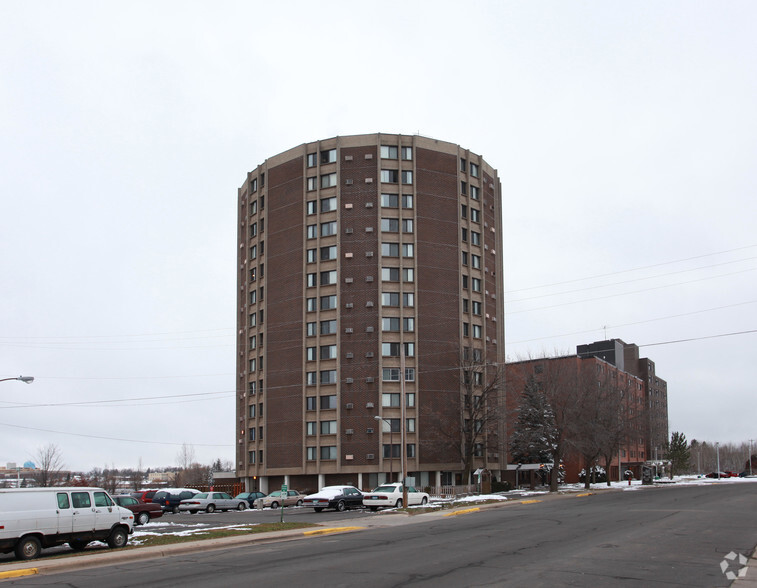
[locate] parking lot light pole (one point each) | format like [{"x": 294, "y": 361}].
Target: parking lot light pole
[
  {"x": 25, "y": 379},
  {"x": 750, "y": 457}
]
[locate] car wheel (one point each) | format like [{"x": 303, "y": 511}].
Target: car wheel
[
  {"x": 318, "y": 508},
  {"x": 242, "y": 506},
  {"x": 175, "y": 510},
  {"x": 78, "y": 545},
  {"x": 28, "y": 548},
  {"x": 210, "y": 508},
  {"x": 398, "y": 503},
  {"x": 373, "y": 508},
  {"x": 143, "y": 518},
  {"x": 118, "y": 538},
  {"x": 341, "y": 506},
  {"x": 424, "y": 501},
  {"x": 299, "y": 503},
  {"x": 274, "y": 505}
]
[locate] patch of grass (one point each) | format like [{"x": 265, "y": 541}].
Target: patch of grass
[{"x": 153, "y": 540}]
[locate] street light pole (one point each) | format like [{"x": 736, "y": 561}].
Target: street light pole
[
  {"x": 25, "y": 379},
  {"x": 717, "y": 449},
  {"x": 750, "y": 457}
]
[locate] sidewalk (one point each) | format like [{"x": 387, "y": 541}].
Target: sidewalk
[{"x": 750, "y": 579}]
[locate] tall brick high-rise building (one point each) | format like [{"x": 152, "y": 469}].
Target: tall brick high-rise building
[{"x": 369, "y": 265}]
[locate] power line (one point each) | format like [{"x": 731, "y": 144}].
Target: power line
[{"x": 699, "y": 338}]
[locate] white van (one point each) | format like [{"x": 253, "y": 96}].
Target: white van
[{"x": 33, "y": 518}]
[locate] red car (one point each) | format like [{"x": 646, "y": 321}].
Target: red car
[
  {"x": 144, "y": 495},
  {"x": 143, "y": 511}
]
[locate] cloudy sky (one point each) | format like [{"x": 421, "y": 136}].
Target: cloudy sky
[{"x": 624, "y": 134}]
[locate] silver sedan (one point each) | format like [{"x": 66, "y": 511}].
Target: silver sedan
[{"x": 210, "y": 502}]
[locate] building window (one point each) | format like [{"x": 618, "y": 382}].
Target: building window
[
  {"x": 328, "y": 351},
  {"x": 476, "y": 331},
  {"x": 312, "y": 329},
  {"x": 311, "y": 378},
  {"x": 465, "y": 282},
  {"x": 463, "y": 188},
  {"x": 253, "y": 297},
  {"x": 252, "y": 411},
  {"x": 328, "y": 427},
  {"x": 328, "y": 452},
  {"x": 311, "y": 353},
  {"x": 311, "y": 280},
  {"x": 463, "y": 165},
  {"x": 328, "y": 402},
  {"x": 312, "y": 304},
  {"x": 328, "y": 156},
  {"x": 474, "y": 192},
  {"x": 328, "y": 302},
  {"x": 466, "y": 304},
  {"x": 390, "y": 225},
  {"x": 311, "y": 255},
  {"x": 254, "y": 185},
  {"x": 410, "y": 425},
  {"x": 390, "y": 200},
  {"x": 312, "y": 452},
  {"x": 408, "y": 324},
  {"x": 409, "y": 349},
  {"x": 391, "y": 400},
  {"x": 390, "y": 176},
  {"x": 407, "y": 153},
  {"x": 408, "y": 274},
  {"x": 253, "y": 207},
  {"x": 463, "y": 211},
  {"x": 390, "y": 349},
  {"x": 390, "y": 299},
  {"x": 407, "y": 177},
  {"x": 476, "y": 284},
  {"x": 475, "y": 238},
  {"x": 312, "y": 183},
  {"x": 251, "y": 457},
  {"x": 254, "y": 252},
  {"x": 328, "y": 377},
  {"x": 410, "y": 376},
  {"x": 407, "y": 225},
  {"x": 464, "y": 257},
  {"x": 328, "y": 229},
  {"x": 260, "y": 456},
  {"x": 474, "y": 170},
  {"x": 310, "y": 428},
  {"x": 407, "y": 201},
  {"x": 311, "y": 403},
  {"x": 390, "y": 323},
  {"x": 312, "y": 160},
  {"x": 328, "y": 277},
  {"x": 410, "y": 399},
  {"x": 475, "y": 215},
  {"x": 254, "y": 319},
  {"x": 466, "y": 329},
  {"x": 328, "y": 204},
  {"x": 312, "y": 231},
  {"x": 251, "y": 434},
  {"x": 411, "y": 449},
  {"x": 408, "y": 299},
  {"x": 389, "y": 152},
  {"x": 328, "y": 327},
  {"x": 390, "y": 425},
  {"x": 407, "y": 250},
  {"x": 391, "y": 451},
  {"x": 390, "y": 374},
  {"x": 464, "y": 235},
  {"x": 253, "y": 230},
  {"x": 476, "y": 308},
  {"x": 390, "y": 249},
  {"x": 328, "y": 253},
  {"x": 328, "y": 180},
  {"x": 312, "y": 207},
  {"x": 390, "y": 274}
]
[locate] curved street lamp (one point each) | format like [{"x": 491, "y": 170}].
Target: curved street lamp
[{"x": 25, "y": 379}]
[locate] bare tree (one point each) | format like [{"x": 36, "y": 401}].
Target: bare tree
[
  {"x": 49, "y": 465},
  {"x": 186, "y": 456}
]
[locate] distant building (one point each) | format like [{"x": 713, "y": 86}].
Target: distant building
[{"x": 626, "y": 357}]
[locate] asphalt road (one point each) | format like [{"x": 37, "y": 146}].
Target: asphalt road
[{"x": 675, "y": 536}]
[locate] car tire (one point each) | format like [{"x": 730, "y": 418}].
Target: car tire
[
  {"x": 142, "y": 518},
  {"x": 78, "y": 545},
  {"x": 318, "y": 508},
  {"x": 299, "y": 503},
  {"x": 424, "y": 501},
  {"x": 274, "y": 505},
  {"x": 28, "y": 548},
  {"x": 118, "y": 538},
  {"x": 175, "y": 510},
  {"x": 341, "y": 506},
  {"x": 398, "y": 504},
  {"x": 373, "y": 508},
  {"x": 210, "y": 508},
  {"x": 242, "y": 506}
]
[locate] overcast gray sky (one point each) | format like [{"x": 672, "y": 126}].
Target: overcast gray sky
[{"x": 625, "y": 136}]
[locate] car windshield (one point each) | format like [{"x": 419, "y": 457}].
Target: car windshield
[
  {"x": 385, "y": 489},
  {"x": 201, "y": 495}
]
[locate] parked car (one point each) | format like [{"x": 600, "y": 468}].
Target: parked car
[
  {"x": 390, "y": 495},
  {"x": 715, "y": 475},
  {"x": 169, "y": 498},
  {"x": 211, "y": 502},
  {"x": 249, "y": 497},
  {"x": 34, "y": 518},
  {"x": 337, "y": 497},
  {"x": 144, "y": 495},
  {"x": 143, "y": 511},
  {"x": 275, "y": 499}
]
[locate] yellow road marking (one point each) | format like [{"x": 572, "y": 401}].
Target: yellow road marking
[
  {"x": 459, "y": 512},
  {"x": 585, "y": 494},
  {"x": 529, "y": 501},
  {"x": 19, "y": 573},
  {"x": 331, "y": 530}
]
